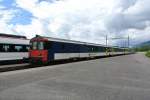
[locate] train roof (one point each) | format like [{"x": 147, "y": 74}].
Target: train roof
[
  {"x": 67, "y": 41},
  {"x": 13, "y": 39},
  {"x": 12, "y": 36},
  {"x": 71, "y": 41}
]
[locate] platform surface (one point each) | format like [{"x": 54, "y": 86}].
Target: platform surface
[{"x": 115, "y": 78}]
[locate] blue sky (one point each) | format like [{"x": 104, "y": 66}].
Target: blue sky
[
  {"x": 21, "y": 16},
  {"x": 7, "y": 3},
  {"x": 79, "y": 20}
]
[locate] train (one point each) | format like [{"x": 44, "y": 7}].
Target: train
[
  {"x": 48, "y": 49},
  {"x": 13, "y": 48}
]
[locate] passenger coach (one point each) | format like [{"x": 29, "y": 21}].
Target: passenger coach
[
  {"x": 46, "y": 49},
  {"x": 13, "y": 47}
]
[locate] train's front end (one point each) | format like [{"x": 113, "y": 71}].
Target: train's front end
[{"x": 38, "y": 52}]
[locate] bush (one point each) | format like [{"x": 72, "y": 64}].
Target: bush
[{"x": 148, "y": 54}]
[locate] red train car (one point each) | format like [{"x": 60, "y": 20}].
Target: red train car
[{"x": 37, "y": 52}]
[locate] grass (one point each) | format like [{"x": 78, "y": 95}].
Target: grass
[{"x": 148, "y": 54}]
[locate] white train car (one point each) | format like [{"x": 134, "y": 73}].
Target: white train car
[{"x": 13, "y": 47}]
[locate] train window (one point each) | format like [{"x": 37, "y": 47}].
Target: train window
[
  {"x": 34, "y": 45},
  {"x": 18, "y": 48},
  {"x": 63, "y": 46},
  {"x": 40, "y": 45},
  {"x": 21, "y": 48},
  {"x": 37, "y": 45},
  {"x": 96, "y": 49},
  {"x": 12, "y": 48},
  {"x": 1, "y": 48},
  {"x": 92, "y": 48},
  {"x": 27, "y": 47},
  {"x": 30, "y": 45},
  {"x": 24, "y": 48},
  {"x": 6, "y": 48}
]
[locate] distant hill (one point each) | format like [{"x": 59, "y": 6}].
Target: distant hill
[{"x": 145, "y": 46}]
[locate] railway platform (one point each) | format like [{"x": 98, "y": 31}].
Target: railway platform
[{"x": 115, "y": 78}]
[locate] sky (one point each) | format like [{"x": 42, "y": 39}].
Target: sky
[{"x": 82, "y": 20}]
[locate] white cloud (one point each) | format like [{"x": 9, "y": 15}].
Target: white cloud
[
  {"x": 71, "y": 18},
  {"x": 30, "y": 30},
  {"x": 87, "y": 20},
  {"x": 28, "y": 5},
  {"x": 5, "y": 17}
]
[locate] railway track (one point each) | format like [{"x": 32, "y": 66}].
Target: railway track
[{"x": 4, "y": 68}]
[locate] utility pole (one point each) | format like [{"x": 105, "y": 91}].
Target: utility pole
[
  {"x": 107, "y": 45},
  {"x": 128, "y": 41},
  {"x": 106, "y": 40}
]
